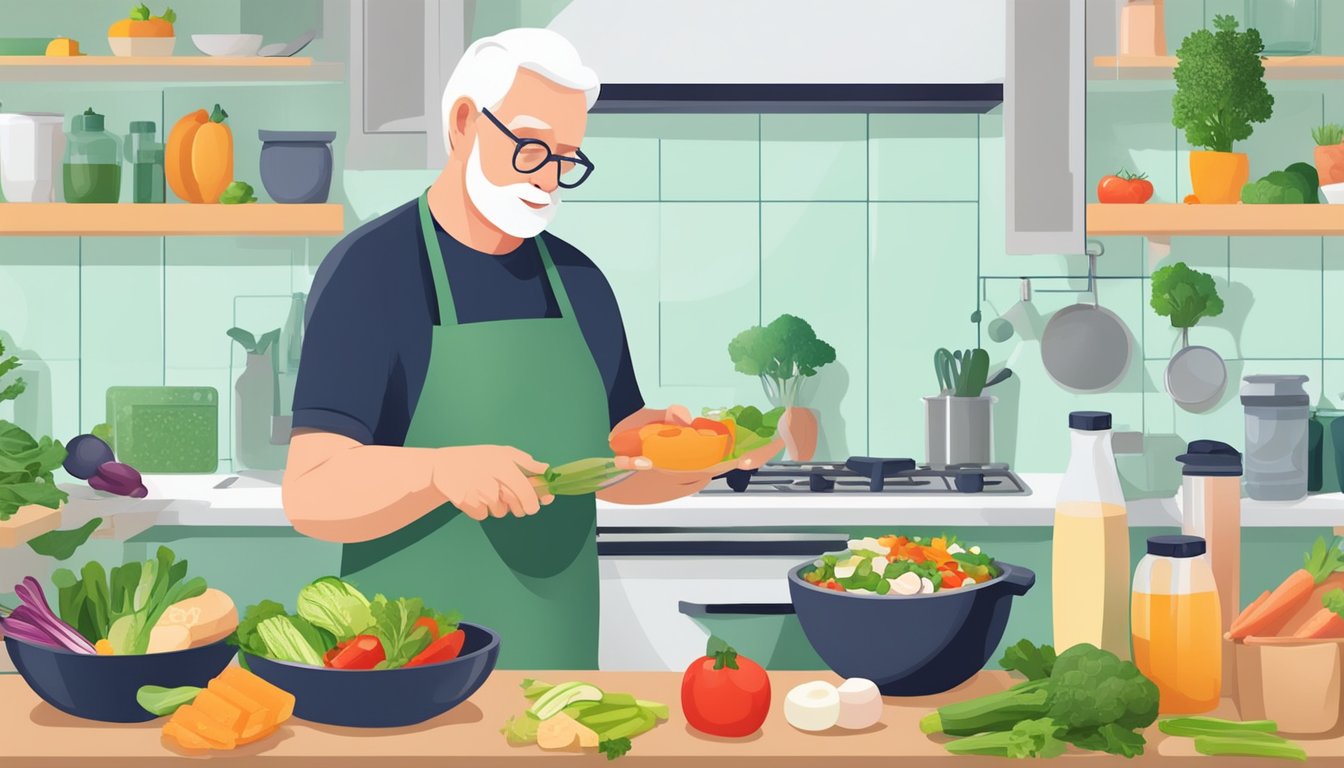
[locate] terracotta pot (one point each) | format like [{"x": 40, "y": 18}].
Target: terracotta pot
[
  {"x": 1330, "y": 164},
  {"x": 798, "y": 428},
  {"x": 1295, "y": 683},
  {"x": 1217, "y": 177}
]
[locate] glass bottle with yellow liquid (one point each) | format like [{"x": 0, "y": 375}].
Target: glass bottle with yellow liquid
[
  {"x": 1177, "y": 624},
  {"x": 1090, "y": 573}
]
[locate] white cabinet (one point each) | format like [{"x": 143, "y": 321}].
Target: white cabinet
[
  {"x": 1044, "y": 116},
  {"x": 401, "y": 54}
]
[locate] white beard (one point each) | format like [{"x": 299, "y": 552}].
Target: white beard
[{"x": 503, "y": 206}]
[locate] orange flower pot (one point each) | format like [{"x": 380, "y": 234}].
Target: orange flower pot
[
  {"x": 1217, "y": 177},
  {"x": 1330, "y": 164},
  {"x": 798, "y": 427}
]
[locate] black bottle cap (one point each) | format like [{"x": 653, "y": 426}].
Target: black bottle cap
[
  {"x": 1210, "y": 458},
  {"x": 1176, "y": 546},
  {"x": 1090, "y": 421}
]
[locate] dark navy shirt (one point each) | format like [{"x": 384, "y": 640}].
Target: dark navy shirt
[{"x": 367, "y": 332}]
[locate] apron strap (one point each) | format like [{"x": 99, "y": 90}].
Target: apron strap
[
  {"x": 553, "y": 275},
  {"x": 447, "y": 310}
]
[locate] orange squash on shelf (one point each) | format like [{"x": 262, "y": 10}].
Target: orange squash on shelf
[{"x": 198, "y": 161}]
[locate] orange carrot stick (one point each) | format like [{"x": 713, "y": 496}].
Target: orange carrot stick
[
  {"x": 1293, "y": 593},
  {"x": 1248, "y": 612},
  {"x": 1322, "y": 624}
]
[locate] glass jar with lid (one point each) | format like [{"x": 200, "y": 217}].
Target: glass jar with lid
[
  {"x": 1176, "y": 624},
  {"x": 92, "y": 169},
  {"x": 145, "y": 154},
  {"x": 1287, "y": 27}
]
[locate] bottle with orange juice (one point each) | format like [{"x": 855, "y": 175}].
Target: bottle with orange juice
[
  {"x": 1177, "y": 624},
  {"x": 1090, "y": 573}
]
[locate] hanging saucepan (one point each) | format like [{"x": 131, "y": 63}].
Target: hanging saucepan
[
  {"x": 1196, "y": 377},
  {"x": 1085, "y": 347}
]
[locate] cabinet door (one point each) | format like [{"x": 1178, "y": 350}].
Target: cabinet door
[{"x": 1044, "y": 110}]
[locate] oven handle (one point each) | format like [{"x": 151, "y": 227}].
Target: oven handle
[
  {"x": 734, "y": 609},
  {"x": 654, "y": 547}
]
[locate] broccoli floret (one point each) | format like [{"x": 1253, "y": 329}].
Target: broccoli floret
[
  {"x": 1093, "y": 688},
  {"x": 1108, "y": 738},
  {"x": 1025, "y": 657}
]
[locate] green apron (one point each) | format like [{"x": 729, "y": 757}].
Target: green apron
[{"x": 531, "y": 384}]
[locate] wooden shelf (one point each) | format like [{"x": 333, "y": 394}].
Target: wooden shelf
[
  {"x": 1160, "y": 67},
  {"x": 37, "y": 69},
  {"x": 1177, "y": 219},
  {"x": 170, "y": 219}
]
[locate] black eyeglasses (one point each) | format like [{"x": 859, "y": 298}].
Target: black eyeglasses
[{"x": 531, "y": 155}]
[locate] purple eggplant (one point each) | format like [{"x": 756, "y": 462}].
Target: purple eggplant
[
  {"x": 85, "y": 454},
  {"x": 139, "y": 493},
  {"x": 118, "y": 478}
]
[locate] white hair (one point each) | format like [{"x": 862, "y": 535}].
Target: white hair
[{"x": 488, "y": 67}]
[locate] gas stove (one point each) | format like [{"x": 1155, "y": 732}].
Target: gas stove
[{"x": 867, "y": 474}]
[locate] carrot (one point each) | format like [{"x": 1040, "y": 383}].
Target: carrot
[
  {"x": 1275, "y": 611},
  {"x": 1248, "y": 612},
  {"x": 1323, "y": 623},
  {"x": 212, "y": 157},
  {"x": 177, "y": 156}
]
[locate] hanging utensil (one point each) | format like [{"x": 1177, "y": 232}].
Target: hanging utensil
[
  {"x": 1196, "y": 377},
  {"x": 1086, "y": 347}
]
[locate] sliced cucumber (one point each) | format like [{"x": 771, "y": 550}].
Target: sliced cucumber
[
  {"x": 659, "y": 711},
  {"x": 609, "y": 718},
  {"x": 620, "y": 699},
  {"x": 561, "y": 696}
]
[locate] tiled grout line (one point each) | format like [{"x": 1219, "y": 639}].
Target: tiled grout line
[
  {"x": 760, "y": 222},
  {"x": 867, "y": 284}
]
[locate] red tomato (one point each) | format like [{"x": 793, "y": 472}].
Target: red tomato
[
  {"x": 1125, "y": 187},
  {"x": 429, "y": 624},
  {"x": 444, "y": 649},
  {"x": 724, "y": 693}
]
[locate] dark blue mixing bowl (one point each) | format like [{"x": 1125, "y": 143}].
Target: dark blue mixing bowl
[
  {"x": 384, "y": 698},
  {"x": 910, "y": 645},
  {"x": 103, "y": 687}
]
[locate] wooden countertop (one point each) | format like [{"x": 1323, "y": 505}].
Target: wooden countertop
[{"x": 32, "y": 733}]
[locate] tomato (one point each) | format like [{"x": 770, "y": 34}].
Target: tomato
[
  {"x": 1125, "y": 187},
  {"x": 724, "y": 693},
  {"x": 444, "y": 649},
  {"x": 361, "y": 652},
  {"x": 832, "y": 585},
  {"x": 952, "y": 579}
]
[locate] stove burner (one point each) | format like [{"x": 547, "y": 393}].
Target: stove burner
[{"x": 866, "y": 474}]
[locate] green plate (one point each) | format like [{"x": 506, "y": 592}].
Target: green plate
[
  {"x": 24, "y": 46},
  {"x": 165, "y": 429}
]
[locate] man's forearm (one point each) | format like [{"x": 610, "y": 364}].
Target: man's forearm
[{"x": 357, "y": 492}]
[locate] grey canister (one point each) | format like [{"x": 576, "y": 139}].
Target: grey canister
[
  {"x": 296, "y": 166},
  {"x": 1277, "y": 409},
  {"x": 958, "y": 430}
]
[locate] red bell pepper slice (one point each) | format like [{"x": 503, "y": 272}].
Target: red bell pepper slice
[
  {"x": 363, "y": 652},
  {"x": 429, "y": 624},
  {"x": 443, "y": 649}
]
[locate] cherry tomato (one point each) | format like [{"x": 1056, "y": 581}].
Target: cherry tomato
[
  {"x": 724, "y": 693},
  {"x": 1125, "y": 187}
]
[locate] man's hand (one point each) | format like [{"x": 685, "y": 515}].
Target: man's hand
[{"x": 488, "y": 480}]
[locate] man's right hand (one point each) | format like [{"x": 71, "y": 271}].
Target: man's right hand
[{"x": 488, "y": 480}]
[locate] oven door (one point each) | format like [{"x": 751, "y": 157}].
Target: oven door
[{"x": 664, "y": 593}]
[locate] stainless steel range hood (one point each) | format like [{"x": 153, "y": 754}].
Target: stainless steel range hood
[{"x": 791, "y": 55}]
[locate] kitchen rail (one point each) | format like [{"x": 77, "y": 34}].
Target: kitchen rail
[
  {"x": 253, "y": 500},
  {"x": 38, "y": 735}
]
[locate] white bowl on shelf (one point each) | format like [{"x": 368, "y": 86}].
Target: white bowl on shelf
[
  {"x": 141, "y": 46},
  {"x": 1334, "y": 193},
  {"x": 227, "y": 45}
]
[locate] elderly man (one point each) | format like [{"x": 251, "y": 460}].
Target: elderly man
[{"x": 453, "y": 350}]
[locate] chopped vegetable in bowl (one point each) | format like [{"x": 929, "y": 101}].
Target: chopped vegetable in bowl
[{"x": 902, "y": 565}]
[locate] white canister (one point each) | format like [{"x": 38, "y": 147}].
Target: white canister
[{"x": 31, "y": 147}]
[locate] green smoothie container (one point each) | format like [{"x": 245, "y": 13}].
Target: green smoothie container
[
  {"x": 92, "y": 171},
  {"x": 145, "y": 154}
]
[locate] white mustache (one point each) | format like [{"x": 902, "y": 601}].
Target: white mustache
[{"x": 530, "y": 193}]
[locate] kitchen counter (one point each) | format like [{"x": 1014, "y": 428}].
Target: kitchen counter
[
  {"x": 252, "y": 499},
  {"x": 35, "y": 734}
]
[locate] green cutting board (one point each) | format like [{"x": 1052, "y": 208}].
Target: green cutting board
[{"x": 165, "y": 429}]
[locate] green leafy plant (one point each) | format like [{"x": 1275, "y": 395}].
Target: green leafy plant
[
  {"x": 141, "y": 13},
  {"x": 1185, "y": 295},
  {"x": 1294, "y": 185},
  {"x": 26, "y": 464},
  {"x": 962, "y": 373},
  {"x": 237, "y": 193},
  {"x": 1220, "y": 85},
  {"x": 783, "y": 354},
  {"x": 61, "y": 545},
  {"x": 1330, "y": 133}
]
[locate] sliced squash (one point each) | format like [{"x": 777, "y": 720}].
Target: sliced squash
[
  {"x": 178, "y": 737},
  {"x": 258, "y": 736},
  {"x": 208, "y": 617},
  {"x": 219, "y": 735},
  {"x": 165, "y": 639},
  {"x": 256, "y": 716},
  {"x": 279, "y": 701},
  {"x": 560, "y": 732},
  {"x": 216, "y": 707}
]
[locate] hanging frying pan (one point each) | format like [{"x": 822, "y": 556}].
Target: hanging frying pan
[{"x": 1086, "y": 347}]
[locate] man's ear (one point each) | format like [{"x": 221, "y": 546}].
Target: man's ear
[{"x": 459, "y": 121}]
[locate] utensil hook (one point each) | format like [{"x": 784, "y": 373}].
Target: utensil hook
[{"x": 1095, "y": 248}]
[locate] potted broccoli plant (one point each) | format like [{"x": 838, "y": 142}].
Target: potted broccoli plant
[
  {"x": 958, "y": 420},
  {"x": 1329, "y": 153},
  {"x": 1220, "y": 92},
  {"x": 1196, "y": 376},
  {"x": 784, "y": 354}
]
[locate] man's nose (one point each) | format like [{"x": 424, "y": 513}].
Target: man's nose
[{"x": 545, "y": 179}]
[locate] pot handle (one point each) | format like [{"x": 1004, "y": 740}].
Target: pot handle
[
  {"x": 1019, "y": 580},
  {"x": 734, "y": 609}
]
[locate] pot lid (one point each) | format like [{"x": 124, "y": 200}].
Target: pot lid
[{"x": 320, "y": 137}]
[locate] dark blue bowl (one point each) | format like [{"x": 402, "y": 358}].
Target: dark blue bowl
[
  {"x": 910, "y": 645},
  {"x": 103, "y": 687},
  {"x": 384, "y": 698}
]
